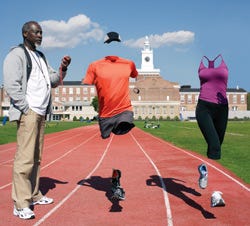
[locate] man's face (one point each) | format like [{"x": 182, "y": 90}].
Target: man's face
[{"x": 34, "y": 35}]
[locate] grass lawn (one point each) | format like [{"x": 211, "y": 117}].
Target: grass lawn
[
  {"x": 8, "y": 132},
  {"x": 235, "y": 148}
]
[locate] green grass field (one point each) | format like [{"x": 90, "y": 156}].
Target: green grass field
[
  {"x": 8, "y": 132},
  {"x": 235, "y": 149}
]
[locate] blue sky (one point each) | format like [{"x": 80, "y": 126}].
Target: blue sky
[{"x": 180, "y": 32}]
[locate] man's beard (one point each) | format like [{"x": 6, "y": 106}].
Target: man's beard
[{"x": 37, "y": 45}]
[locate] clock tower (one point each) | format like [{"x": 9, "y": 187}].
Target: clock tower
[
  {"x": 147, "y": 59},
  {"x": 147, "y": 56}
]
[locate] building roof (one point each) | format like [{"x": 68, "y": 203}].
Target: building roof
[
  {"x": 184, "y": 88},
  {"x": 188, "y": 88},
  {"x": 72, "y": 83}
]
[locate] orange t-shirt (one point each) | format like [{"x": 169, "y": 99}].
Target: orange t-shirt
[{"x": 111, "y": 76}]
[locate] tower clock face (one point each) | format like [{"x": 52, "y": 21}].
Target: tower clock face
[{"x": 147, "y": 58}]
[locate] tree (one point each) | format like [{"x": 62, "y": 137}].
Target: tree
[
  {"x": 248, "y": 101},
  {"x": 94, "y": 103}
]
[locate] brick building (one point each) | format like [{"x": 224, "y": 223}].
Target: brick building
[
  {"x": 237, "y": 99},
  {"x": 158, "y": 98}
]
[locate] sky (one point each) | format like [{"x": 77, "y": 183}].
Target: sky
[{"x": 181, "y": 32}]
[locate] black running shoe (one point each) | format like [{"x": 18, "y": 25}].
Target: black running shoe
[
  {"x": 118, "y": 193},
  {"x": 117, "y": 190}
]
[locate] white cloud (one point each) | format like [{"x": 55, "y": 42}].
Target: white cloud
[
  {"x": 168, "y": 38},
  {"x": 80, "y": 30},
  {"x": 68, "y": 34}
]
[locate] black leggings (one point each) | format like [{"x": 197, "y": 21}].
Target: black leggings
[{"x": 212, "y": 119}]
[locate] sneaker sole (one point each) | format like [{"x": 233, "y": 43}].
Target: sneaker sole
[
  {"x": 42, "y": 203},
  {"x": 219, "y": 204},
  {"x": 15, "y": 213},
  {"x": 115, "y": 197},
  {"x": 203, "y": 181}
]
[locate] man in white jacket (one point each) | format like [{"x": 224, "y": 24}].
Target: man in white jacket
[{"x": 28, "y": 80}]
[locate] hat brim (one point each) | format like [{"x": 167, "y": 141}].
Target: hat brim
[{"x": 113, "y": 39}]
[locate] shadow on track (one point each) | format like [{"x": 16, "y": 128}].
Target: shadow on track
[
  {"x": 47, "y": 184},
  {"x": 104, "y": 185},
  {"x": 177, "y": 188}
]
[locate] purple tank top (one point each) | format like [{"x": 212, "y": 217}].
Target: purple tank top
[{"x": 213, "y": 81}]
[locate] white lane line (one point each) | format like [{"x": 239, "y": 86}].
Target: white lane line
[
  {"x": 164, "y": 190},
  {"x": 58, "y": 135},
  {"x": 3, "y": 163},
  {"x": 211, "y": 165},
  {"x": 75, "y": 189},
  {"x": 190, "y": 128},
  {"x": 47, "y": 146},
  {"x": 14, "y": 147},
  {"x": 62, "y": 156}
]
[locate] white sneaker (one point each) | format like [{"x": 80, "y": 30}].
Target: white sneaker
[
  {"x": 216, "y": 199},
  {"x": 203, "y": 179},
  {"x": 24, "y": 213},
  {"x": 43, "y": 201}
]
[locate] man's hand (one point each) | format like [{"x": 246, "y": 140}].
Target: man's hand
[{"x": 65, "y": 62}]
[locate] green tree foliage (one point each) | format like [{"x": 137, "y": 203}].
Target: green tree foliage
[
  {"x": 248, "y": 101},
  {"x": 94, "y": 103}
]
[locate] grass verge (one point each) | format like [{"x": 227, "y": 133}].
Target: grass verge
[{"x": 187, "y": 135}]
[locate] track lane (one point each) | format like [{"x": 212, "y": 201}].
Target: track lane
[
  {"x": 91, "y": 203},
  {"x": 57, "y": 174},
  {"x": 66, "y": 140},
  {"x": 189, "y": 203},
  {"x": 144, "y": 204}
]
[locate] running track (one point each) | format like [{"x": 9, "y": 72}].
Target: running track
[{"x": 160, "y": 181}]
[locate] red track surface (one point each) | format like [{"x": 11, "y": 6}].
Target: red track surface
[{"x": 160, "y": 181}]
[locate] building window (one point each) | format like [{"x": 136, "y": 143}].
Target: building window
[
  {"x": 242, "y": 99},
  {"x": 56, "y": 91},
  {"x": 92, "y": 90},
  {"x": 182, "y": 98},
  {"x": 183, "y": 108},
  {"x": 78, "y": 90},
  {"x": 71, "y": 99},
  {"x": 71, "y": 90},
  {"x": 164, "y": 110},
  {"x": 167, "y": 98},
  {"x": 158, "y": 110},
  {"x": 171, "y": 110},
  {"x": 64, "y": 90},
  {"x": 85, "y": 90},
  {"x": 56, "y": 99},
  {"x": 143, "y": 110},
  {"x": 234, "y": 108},
  {"x": 234, "y": 99},
  {"x": 56, "y": 117},
  {"x": 150, "y": 109},
  {"x": 189, "y": 99},
  {"x": 196, "y": 98}
]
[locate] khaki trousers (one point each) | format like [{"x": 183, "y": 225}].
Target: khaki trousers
[{"x": 26, "y": 169}]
